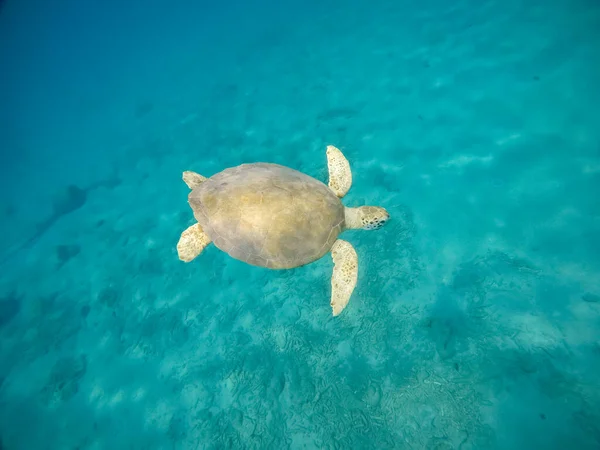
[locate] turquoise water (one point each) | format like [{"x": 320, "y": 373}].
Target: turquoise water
[{"x": 475, "y": 323}]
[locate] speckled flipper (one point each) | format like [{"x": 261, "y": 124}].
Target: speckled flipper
[
  {"x": 192, "y": 179},
  {"x": 340, "y": 175},
  {"x": 191, "y": 243},
  {"x": 345, "y": 273}
]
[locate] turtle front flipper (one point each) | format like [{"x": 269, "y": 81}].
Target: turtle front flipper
[
  {"x": 345, "y": 274},
  {"x": 340, "y": 175},
  {"x": 192, "y": 179},
  {"x": 191, "y": 243}
]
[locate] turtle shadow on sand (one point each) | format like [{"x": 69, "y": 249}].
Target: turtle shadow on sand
[{"x": 68, "y": 200}]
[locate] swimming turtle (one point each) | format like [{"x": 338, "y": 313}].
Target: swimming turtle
[{"x": 272, "y": 216}]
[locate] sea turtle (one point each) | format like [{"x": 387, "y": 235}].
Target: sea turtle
[{"x": 272, "y": 216}]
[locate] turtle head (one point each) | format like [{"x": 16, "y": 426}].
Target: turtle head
[{"x": 366, "y": 217}]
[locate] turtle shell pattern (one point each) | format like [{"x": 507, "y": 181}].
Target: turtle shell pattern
[{"x": 268, "y": 215}]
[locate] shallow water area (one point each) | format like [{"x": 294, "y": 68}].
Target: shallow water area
[{"x": 475, "y": 321}]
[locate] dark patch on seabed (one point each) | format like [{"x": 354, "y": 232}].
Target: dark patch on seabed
[
  {"x": 10, "y": 305},
  {"x": 68, "y": 200}
]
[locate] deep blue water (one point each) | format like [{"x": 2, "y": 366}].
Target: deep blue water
[{"x": 475, "y": 323}]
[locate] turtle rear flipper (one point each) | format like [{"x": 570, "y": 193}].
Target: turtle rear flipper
[
  {"x": 191, "y": 243},
  {"x": 192, "y": 179}
]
